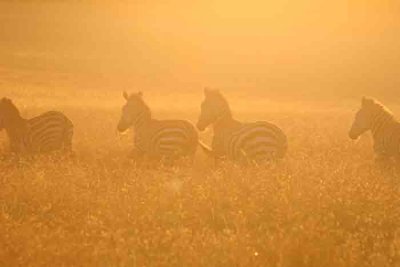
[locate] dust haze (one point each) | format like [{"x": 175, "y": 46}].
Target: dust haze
[
  {"x": 275, "y": 49},
  {"x": 302, "y": 65}
]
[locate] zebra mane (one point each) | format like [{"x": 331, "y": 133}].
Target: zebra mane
[
  {"x": 216, "y": 96},
  {"x": 376, "y": 106},
  {"x": 9, "y": 107},
  {"x": 138, "y": 100}
]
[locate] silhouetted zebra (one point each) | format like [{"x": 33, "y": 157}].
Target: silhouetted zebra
[
  {"x": 156, "y": 139},
  {"x": 48, "y": 132},
  {"x": 238, "y": 141},
  {"x": 384, "y": 127}
]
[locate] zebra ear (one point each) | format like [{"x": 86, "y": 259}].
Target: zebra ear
[
  {"x": 209, "y": 92},
  {"x": 367, "y": 101},
  {"x": 125, "y": 95},
  {"x": 6, "y": 100}
]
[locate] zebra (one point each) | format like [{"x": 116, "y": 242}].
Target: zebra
[
  {"x": 237, "y": 141},
  {"x": 51, "y": 131},
  {"x": 385, "y": 129},
  {"x": 156, "y": 139}
]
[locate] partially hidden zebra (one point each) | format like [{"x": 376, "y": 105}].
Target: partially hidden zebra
[
  {"x": 156, "y": 139},
  {"x": 385, "y": 129},
  {"x": 237, "y": 141},
  {"x": 51, "y": 131}
]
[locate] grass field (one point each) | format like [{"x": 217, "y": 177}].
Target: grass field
[{"x": 324, "y": 205}]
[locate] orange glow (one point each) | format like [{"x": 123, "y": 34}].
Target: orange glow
[
  {"x": 267, "y": 45},
  {"x": 205, "y": 133}
]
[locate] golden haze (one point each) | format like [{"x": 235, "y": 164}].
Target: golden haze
[
  {"x": 300, "y": 64},
  {"x": 281, "y": 48}
]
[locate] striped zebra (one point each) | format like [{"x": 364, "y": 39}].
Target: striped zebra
[
  {"x": 384, "y": 127},
  {"x": 237, "y": 141},
  {"x": 156, "y": 139},
  {"x": 48, "y": 132}
]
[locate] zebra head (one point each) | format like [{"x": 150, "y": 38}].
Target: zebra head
[
  {"x": 363, "y": 118},
  {"x": 8, "y": 112},
  {"x": 213, "y": 108},
  {"x": 133, "y": 112}
]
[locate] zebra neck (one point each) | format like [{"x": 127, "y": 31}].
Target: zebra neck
[
  {"x": 380, "y": 122},
  {"x": 16, "y": 128},
  {"x": 141, "y": 121},
  {"x": 224, "y": 122}
]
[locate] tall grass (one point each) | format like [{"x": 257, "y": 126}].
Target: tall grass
[{"x": 326, "y": 204}]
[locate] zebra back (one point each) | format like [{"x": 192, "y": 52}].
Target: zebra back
[
  {"x": 256, "y": 141},
  {"x": 166, "y": 138},
  {"x": 386, "y": 135},
  {"x": 48, "y": 132}
]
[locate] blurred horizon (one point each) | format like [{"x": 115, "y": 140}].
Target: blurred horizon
[{"x": 282, "y": 49}]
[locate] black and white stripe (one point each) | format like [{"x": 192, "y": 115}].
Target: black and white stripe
[
  {"x": 238, "y": 141},
  {"x": 384, "y": 127},
  {"x": 48, "y": 132},
  {"x": 156, "y": 139}
]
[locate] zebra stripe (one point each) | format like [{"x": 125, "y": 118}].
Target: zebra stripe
[
  {"x": 48, "y": 132},
  {"x": 385, "y": 129},
  {"x": 239, "y": 141},
  {"x": 156, "y": 138},
  {"x": 256, "y": 138}
]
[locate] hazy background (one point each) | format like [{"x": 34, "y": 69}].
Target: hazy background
[{"x": 280, "y": 49}]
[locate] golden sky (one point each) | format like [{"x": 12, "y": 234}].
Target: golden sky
[{"x": 175, "y": 43}]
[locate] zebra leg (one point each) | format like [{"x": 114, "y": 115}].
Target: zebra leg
[
  {"x": 67, "y": 142},
  {"x": 136, "y": 155},
  {"x": 219, "y": 161},
  {"x": 382, "y": 161},
  {"x": 67, "y": 149},
  {"x": 16, "y": 148},
  {"x": 68, "y": 146},
  {"x": 397, "y": 164}
]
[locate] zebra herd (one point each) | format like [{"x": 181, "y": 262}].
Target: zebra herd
[{"x": 172, "y": 139}]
